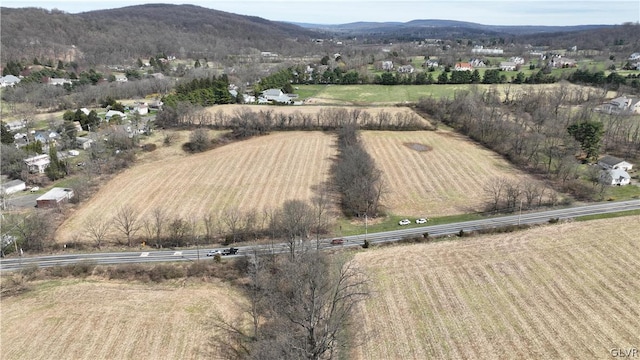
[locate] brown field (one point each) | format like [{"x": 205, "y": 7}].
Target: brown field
[
  {"x": 259, "y": 173},
  {"x": 307, "y": 109},
  {"x": 554, "y": 292},
  {"x": 445, "y": 176},
  {"x": 111, "y": 320}
]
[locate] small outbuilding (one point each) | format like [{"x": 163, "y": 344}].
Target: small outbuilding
[
  {"x": 54, "y": 197},
  {"x": 12, "y": 186}
]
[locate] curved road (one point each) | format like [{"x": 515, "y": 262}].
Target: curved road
[{"x": 356, "y": 240}]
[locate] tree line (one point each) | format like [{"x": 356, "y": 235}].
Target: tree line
[{"x": 545, "y": 131}]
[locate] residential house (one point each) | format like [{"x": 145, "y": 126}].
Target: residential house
[
  {"x": 562, "y": 62},
  {"x": 463, "y": 66},
  {"x": 615, "y": 177},
  {"x": 16, "y": 125},
  {"x": 635, "y": 56},
  {"x": 12, "y": 186},
  {"x": 508, "y": 66},
  {"x": 517, "y": 60},
  {"x": 276, "y": 95},
  {"x": 621, "y": 105},
  {"x": 613, "y": 163},
  {"x": 479, "y": 49},
  {"x": 112, "y": 113},
  {"x": 387, "y": 65},
  {"x": 38, "y": 163},
  {"x": 407, "y": 69},
  {"x": 54, "y": 197},
  {"x": 9, "y": 81},
  {"x": 476, "y": 63},
  {"x": 84, "y": 143},
  {"x": 121, "y": 78},
  {"x": 141, "y": 108},
  {"x": 58, "y": 81},
  {"x": 431, "y": 64},
  {"x": 85, "y": 111}
]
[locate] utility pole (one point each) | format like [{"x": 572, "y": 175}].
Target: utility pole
[{"x": 520, "y": 213}]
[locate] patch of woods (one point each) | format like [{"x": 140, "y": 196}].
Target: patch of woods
[
  {"x": 356, "y": 178},
  {"x": 548, "y": 133},
  {"x": 296, "y": 306},
  {"x": 245, "y": 122}
]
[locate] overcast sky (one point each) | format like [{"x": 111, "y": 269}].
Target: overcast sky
[{"x": 497, "y": 12}]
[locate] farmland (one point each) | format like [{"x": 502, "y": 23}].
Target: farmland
[
  {"x": 103, "y": 319},
  {"x": 257, "y": 174},
  {"x": 435, "y": 173},
  {"x": 562, "y": 291}
]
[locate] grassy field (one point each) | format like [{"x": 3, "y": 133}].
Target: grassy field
[
  {"x": 381, "y": 94},
  {"x": 447, "y": 177},
  {"x": 562, "y": 291},
  {"x": 258, "y": 174},
  {"x": 73, "y": 319}
]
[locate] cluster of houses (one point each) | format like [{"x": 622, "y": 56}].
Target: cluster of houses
[{"x": 614, "y": 171}]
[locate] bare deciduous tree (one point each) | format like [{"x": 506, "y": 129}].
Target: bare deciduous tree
[
  {"x": 127, "y": 222},
  {"x": 97, "y": 229}
]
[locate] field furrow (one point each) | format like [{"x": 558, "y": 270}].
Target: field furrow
[
  {"x": 561, "y": 291},
  {"x": 441, "y": 173},
  {"x": 255, "y": 174}
]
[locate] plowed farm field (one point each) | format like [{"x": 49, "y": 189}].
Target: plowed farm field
[
  {"x": 554, "y": 292},
  {"x": 106, "y": 320},
  {"x": 259, "y": 173},
  {"x": 436, "y": 173}
]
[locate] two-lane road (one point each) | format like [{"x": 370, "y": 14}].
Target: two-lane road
[{"x": 356, "y": 240}]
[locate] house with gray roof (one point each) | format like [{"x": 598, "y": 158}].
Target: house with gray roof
[{"x": 612, "y": 163}]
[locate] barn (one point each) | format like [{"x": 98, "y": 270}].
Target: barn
[{"x": 54, "y": 197}]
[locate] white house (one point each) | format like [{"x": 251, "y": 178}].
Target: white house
[
  {"x": 387, "y": 65},
  {"x": 84, "y": 143},
  {"x": 9, "y": 80},
  {"x": 516, "y": 59},
  {"x": 407, "y": 69},
  {"x": 112, "y": 113},
  {"x": 621, "y": 105},
  {"x": 15, "y": 125},
  {"x": 141, "y": 109},
  {"x": 615, "y": 177},
  {"x": 276, "y": 95},
  {"x": 634, "y": 56},
  {"x": 37, "y": 164},
  {"x": 508, "y": 66},
  {"x": 431, "y": 63},
  {"x": 121, "y": 78},
  {"x": 12, "y": 186},
  {"x": 58, "y": 81},
  {"x": 613, "y": 163},
  {"x": 479, "y": 49}
]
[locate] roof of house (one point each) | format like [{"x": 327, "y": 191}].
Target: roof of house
[
  {"x": 56, "y": 193},
  {"x": 610, "y": 160},
  {"x": 12, "y": 183},
  {"x": 619, "y": 174}
]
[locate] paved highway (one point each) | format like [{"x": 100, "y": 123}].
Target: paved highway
[{"x": 356, "y": 240}]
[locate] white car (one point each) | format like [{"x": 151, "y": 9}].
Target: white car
[
  {"x": 404, "y": 222},
  {"x": 214, "y": 252},
  {"x": 421, "y": 221}
]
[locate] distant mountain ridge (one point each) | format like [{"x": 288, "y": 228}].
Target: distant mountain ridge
[{"x": 421, "y": 26}]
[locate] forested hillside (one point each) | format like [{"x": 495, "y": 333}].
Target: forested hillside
[{"x": 119, "y": 35}]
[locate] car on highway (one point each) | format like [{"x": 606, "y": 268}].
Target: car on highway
[
  {"x": 337, "y": 241},
  {"x": 421, "y": 221},
  {"x": 404, "y": 222},
  {"x": 214, "y": 252}
]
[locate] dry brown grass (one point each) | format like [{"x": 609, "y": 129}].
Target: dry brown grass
[
  {"x": 449, "y": 178},
  {"x": 258, "y": 173},
  {"x": 563, "y": 291},
  {"x": 110, "y": 320},
  {"x": 307, "y": 109}
]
